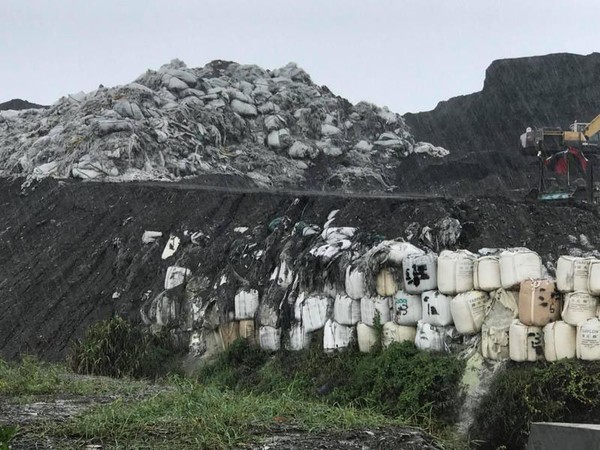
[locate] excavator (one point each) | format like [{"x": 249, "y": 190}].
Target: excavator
[{"x": 562, "y": 151}]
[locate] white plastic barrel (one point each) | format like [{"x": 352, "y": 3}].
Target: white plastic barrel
[
  {"x": 436, "y": 308},
  {"x": 269, "y": 338},
  {"x": 355, "y": 283},
  {"x": 519, "y": 265},
  {"x": 525, "y": 342},
  {"x": 494, "y": 342},
  {"x": 246, "y": 304},
  {"x": 371, "y": 307},
  {"x": 366, "y": 336},
  {"x": 408, "y": 308},
  {"x": 539, "y": 302},
  {"x": 588, "y": 340},
  {"x": 486, "y": 273},
  {"x": 594, "y": 278},
  {"x": 579, "y": 307},
  {"x": 392, "y": 332},
  {"x": 468, "y": 311},
  {"x": 419, "y": 273},
  {"x": 346, "y": 310},
  {"x": 559, "y": 341},
  {"x": 336, "y": 336},
  {"x": 385, "y": 283},
  {"x": 572, "y": 273}
]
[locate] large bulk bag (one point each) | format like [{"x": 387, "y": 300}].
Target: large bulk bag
[
  {"x": 407, "y": 308},
  {"x": 355, "y": 283},
  {"x": 455, "y": 271},
  {"x": 385, "y": 283},
  {"x": 229, "y": 332},
  {"x": 433, "y": 338},
  {"x": 371, "y": 307},
  {"x": 579, "y": 307},
  {"x": 346, "y": 310},
  {"x": 486, "y": 273},
  {"x": 248, "y": 331},
  {"x": 594, "y": 277},
  {"x": 392, "y": 332},
  {"x": 205, "y": 343},
  {"x": 176, "y": 276},
  {"x": 419, "y": 273},
  {"x": 502, "y": 311},
  {"x": 314, "y": 310},
  {"x": 468, "y": 311},
  {"x": 366, "y": 336},
  {"x": 539, "y": 302},
  {"x": 588, "y": 340},
  {"x": 560, "y": 341},
  {"x": 572, "y": 273},
  {"x": 519, "y": 265},
  {"x": 494, "y": 342},
  {"x": 436, "y": 308},
  {"x": 268, "y": 315},
  {"x": 246, "y": 304},
  {"x": 400, "y": 250},
  {"x": 269, "y": 338},
  {"x": 336, "y": 336},
  {"x": 299, "y": 338},
  {"x": 525, "y": 342}
]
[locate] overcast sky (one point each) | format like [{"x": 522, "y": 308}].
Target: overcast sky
[{"x": 407, "y": 55}]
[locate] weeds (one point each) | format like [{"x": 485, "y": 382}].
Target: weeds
[{"x": 7, "y": 433}]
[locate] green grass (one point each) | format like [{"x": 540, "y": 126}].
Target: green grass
[
  {"x": 207, "y": 417},
  {"x": 30, "y": 378}
]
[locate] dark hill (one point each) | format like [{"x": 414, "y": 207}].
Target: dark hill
[
  {"x": 482, "y": 129},
  {"x": 17, "y": 104}
]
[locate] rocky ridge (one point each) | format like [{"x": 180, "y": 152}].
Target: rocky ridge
[{"x": 272, "y": 128}]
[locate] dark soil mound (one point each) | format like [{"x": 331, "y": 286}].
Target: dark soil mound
[{"x": 18, "y": 104}]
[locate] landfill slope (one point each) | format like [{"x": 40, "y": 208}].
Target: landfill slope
[
  {"x": 71, "y": 253},
  {"x": 481, "y": 130}
]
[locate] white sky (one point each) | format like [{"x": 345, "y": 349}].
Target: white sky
[{"x": 406, "y": 54}]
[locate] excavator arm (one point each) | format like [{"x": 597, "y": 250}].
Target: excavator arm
[{"x": 553, "y": 140}]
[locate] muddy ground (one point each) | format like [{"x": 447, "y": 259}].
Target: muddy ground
[{"x": 71, "y": 253}]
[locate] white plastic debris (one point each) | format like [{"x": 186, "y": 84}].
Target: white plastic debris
[
  {"x": 171, "y": 247},
  {"x": 151, "y": 236}
]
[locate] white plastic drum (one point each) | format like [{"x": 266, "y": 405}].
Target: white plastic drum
[
  {"x": 468, "y": 311},
  {"x": 419, "y": 273},
  {"x": 486, "y": 273},
  {"x": 579, "y": 307},
  {"x": 408, "y": 308},
  {"x": 455, "y": 271},
  {"x": 524, "y": 342},
  {"x": 559, "y": 341},
  {"x": 436, "y": 308},
  {"x": 588, "y": 340},
  {"x": 392, "y": 332}
]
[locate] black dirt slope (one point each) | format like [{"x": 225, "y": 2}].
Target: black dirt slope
[
  {"x": 67, "y": 248},
  {"x": 483, "y": 129},
  {"x": 18, "y": 104}
]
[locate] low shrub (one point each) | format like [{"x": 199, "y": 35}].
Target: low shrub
[
  {"x": 564, "y": 391},
  {"x": 117, "y": 348}
]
